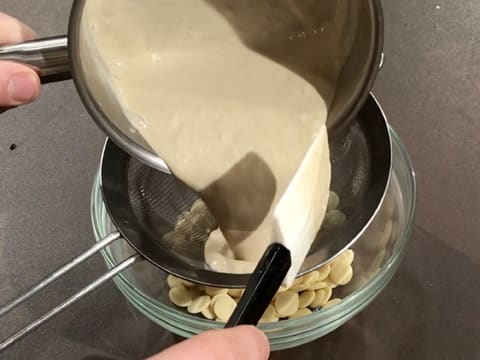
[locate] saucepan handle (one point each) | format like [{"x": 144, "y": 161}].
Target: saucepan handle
[{"x": 48, "y": 56}]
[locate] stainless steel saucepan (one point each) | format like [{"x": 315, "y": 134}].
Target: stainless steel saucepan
[{"x": 65, "y": 57}]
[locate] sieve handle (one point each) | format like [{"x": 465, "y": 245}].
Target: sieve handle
[
  {"x": 48, "y": 56},
  {"x": 74, "y": 298},
  {"x": 262, "y": 286}
]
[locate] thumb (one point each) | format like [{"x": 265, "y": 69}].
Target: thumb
[
  {"x": 240, "y": 343},
  {"x": 19, "y": 84}
]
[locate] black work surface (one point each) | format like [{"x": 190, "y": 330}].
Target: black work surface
[{"x": 430, "y": 90}]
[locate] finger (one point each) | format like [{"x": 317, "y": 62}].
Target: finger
[
  {"x": 240, "y": 343},
  {"x": 14, "y": 31},
  {"x": 19, "y": 84}
]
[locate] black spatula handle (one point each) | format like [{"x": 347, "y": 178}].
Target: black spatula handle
[{"x": 262, "y": 286}]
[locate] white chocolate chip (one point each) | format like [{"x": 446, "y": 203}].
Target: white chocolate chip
[
  {"x": 266, "y": 320},
  {"x": 348, "y": 256},
  {"x": 332, "y": 303},
  {"x": 330, "y": 283},
  {"x": 346, "y": 278},
  {"x": 196, "y": 292},
  {"x": 333, "y": 201},
  {"x": 306, "y": 298},
  {"x": 311, "y": 277},
  {"x": 300, "y": 287},
  {"x": 182, "y": 221},
  {"x": 388, "y": 207},
  {"x": 333, "y": 219},
  {"x": 387, "y": 233},
  {"x": 199, "y": 304},
  {"x": 280, "y": 290},
  {"x": 321, "y": 297},
  {"x": 377, "y": 237},
  {"x": 186, "y": 283},
  {"x": 300, "y": 313},
  {"x": 298, "y": 280},
  {"x": 318, "y": 285},
  {"x": 212, "y": 291},
  {"x": 377, "y": 262},
  {"x": 341, "y": 272},
  {"x": 173, "y": 282},
  {"x": 198, "y": 204},
  {"x": 236, "y": 293},
  {"x": 310, "y": 291},
  {"x": 323, "y": 272},
  {"x": 215, "y": 298},
  {"x": 180, "y": 296},
  {"x": 208, "y": 313},
  {"x": 224, "y": 307},
  {"x": 393, "y": 234},
  {"x": 270, "y": 315},
  {"x": 286, "y": 303}
]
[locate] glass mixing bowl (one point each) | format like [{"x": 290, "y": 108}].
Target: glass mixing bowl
[{"x": 378, "y": 254}]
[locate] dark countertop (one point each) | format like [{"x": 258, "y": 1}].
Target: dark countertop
[{"x": 430, "y": 90}]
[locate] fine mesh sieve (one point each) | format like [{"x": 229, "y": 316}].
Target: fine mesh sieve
[{"x": 145, "y": 204}]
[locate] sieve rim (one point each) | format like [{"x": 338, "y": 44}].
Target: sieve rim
[{"x": 114, "y": 186}]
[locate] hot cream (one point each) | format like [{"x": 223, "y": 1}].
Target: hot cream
[{"x": 231, "y": 94}]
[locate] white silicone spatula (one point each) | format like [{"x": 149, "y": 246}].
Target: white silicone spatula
[{"x": 300, "y": 211}]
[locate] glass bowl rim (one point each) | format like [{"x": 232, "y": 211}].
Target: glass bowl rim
[{"x": 348, "y": 304}]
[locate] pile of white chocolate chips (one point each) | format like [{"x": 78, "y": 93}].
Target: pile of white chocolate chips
[{"x": 309, "y": 292}]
